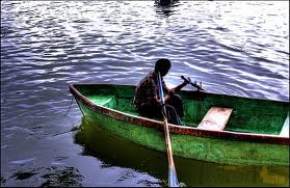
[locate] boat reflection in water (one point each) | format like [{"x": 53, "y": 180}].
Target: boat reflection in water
[{"x": 115, "y": 151}]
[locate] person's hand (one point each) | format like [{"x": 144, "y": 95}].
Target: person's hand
[{"x": 157, "y": 98}]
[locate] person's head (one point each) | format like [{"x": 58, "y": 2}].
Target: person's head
[{"x": 162, "y": 66}]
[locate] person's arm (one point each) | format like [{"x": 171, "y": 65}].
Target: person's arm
[
  {"x": 166, "y": 90},
  {"x": 179, "y": 87},
  {"x": 155, "y": 92}
]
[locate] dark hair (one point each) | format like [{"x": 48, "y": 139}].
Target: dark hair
[{"x": 162, "y": 65}]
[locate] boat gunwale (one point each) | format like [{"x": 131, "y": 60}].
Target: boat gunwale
[
  {"x": 175, "y": 129},
  {"x": 185, "y": 90}
]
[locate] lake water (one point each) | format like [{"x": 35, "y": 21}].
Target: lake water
[{"x": 238, "y": 48}]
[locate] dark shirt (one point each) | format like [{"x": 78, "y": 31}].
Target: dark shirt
[{"x": 147, "y": 90}]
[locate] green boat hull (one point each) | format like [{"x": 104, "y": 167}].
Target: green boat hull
[{"x": 227, "y": 147}]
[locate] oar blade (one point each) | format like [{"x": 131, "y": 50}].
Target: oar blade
[{"x": 172, "y": 178}]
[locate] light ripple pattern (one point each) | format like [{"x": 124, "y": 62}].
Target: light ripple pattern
[{"x": 234, "y": 47}]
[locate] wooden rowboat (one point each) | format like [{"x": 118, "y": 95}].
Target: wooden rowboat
[{"x": 218, "y": 128}]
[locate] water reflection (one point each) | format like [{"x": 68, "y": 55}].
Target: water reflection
[
  {"x": 115, "y": 151},
  {"x": 165, "y": 7}
]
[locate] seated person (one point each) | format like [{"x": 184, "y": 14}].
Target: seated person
[{"x": 147, "y": 99}]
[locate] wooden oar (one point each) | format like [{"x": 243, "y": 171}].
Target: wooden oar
[
  {"x": 172, "y": 176},
  {"x": 199, "y": 87}
]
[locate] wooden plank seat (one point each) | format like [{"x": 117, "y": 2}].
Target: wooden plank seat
[
  {"x": 285, "y": 129},
  {"x": 215, "y": 119}
]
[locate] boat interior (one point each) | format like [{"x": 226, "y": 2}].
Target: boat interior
[{"x": 204, "y": 110}]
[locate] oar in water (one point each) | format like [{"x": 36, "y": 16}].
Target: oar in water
[{"x": 172, "y": 176}]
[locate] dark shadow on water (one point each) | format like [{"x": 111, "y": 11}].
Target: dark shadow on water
[
  {"x": 165, "y": 7},
  {"x": 165, "y": 2},
  {"x": 23, "y": 175},
  {"x": 115, "y": 151},
  {"x": 67, "y": 177},
  {"x": 3, "y": 181},
  {"x": 53, "y": 176}
]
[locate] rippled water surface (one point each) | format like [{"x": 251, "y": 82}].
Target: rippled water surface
[{"x": 238, "y": 48}]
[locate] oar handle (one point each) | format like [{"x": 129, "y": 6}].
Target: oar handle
[
  {"x": 199, "y": 87},
  {"x": 161, "y": 93}
]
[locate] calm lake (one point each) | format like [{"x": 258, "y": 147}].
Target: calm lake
[{"x": 238, "y": 48}]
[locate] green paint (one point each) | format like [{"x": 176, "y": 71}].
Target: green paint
[
  {"x": 115, "y": 151},
  {"x": 249, "y": 115}
]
